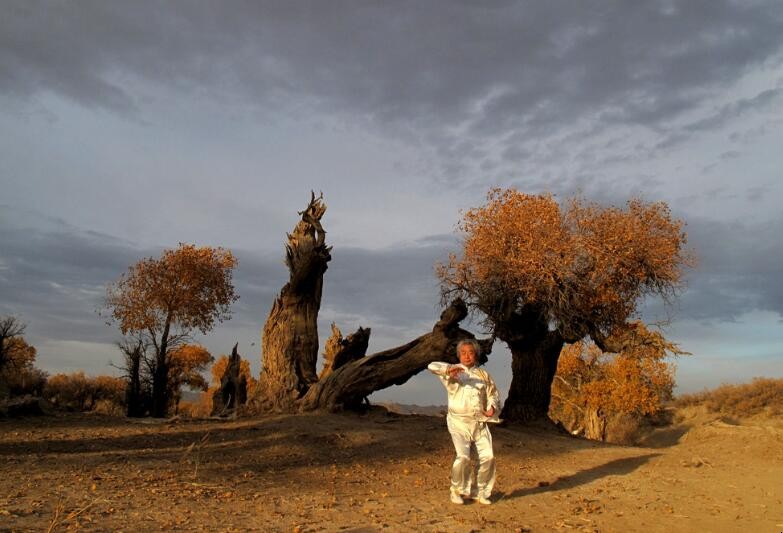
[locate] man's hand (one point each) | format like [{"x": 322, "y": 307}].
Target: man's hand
[
  {"x": 489, "y": 412},
  {"x": 455, "y": 371}
]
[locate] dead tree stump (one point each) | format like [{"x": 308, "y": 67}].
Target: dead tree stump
[
  {"x": 232, "y": 392},
  {"x": 289, "y": 343}
]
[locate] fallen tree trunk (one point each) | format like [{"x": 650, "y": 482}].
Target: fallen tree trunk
[{"x": 347, "y": 386}]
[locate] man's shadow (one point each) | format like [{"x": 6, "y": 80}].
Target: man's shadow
[{"x": 617, "y": 467}]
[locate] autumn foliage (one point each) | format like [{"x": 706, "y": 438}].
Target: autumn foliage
[
  {"x": 577, "y": 263},
  {"x": 542, "y": 273},
  {"x": 592, "y": 387},
  {"x": 18, "y": 374},
  {"x": 189, "y": 287},
  {"x": 79, "y": 392},
  {"x": 186, "y": 364}
]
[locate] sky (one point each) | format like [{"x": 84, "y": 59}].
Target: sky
[{"x": 129, "y": 127}]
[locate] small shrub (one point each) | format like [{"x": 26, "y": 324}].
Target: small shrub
[
  {"x": 761, "y": 396},
  {"x": 78, "y": 392},
  {"x": 625, "y": 428},
  {"x": 202, "y": 408},
  {"x": 28, "y": 380}
]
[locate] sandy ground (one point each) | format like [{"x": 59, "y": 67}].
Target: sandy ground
[{"x": 379, "y": 472}]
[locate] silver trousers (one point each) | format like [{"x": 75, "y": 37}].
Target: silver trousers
[{"x": 469, "y": 434}]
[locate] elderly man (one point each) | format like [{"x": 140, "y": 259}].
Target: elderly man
[{"x": 473, "y": 401}]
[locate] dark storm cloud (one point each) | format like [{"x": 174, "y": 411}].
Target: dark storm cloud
[
  {"x": 506, "y": 72},
  {"x": 54, "y": 276},
  {"x": 766, "y": 102}
]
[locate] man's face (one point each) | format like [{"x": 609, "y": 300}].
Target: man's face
[{"x": 467, "y": 355}]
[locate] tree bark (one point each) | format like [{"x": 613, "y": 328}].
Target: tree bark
[
  {"x": 289, "y": 343},
  {"x": 160, "y": 379},
  {"x": 133, "y": 394},
  {"x": 533, "y": 366},
  {"x": 595, "y": 424},
  {"x": 347, "y": 386}
]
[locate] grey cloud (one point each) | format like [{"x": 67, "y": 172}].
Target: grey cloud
[
  {"x": 489, "y": 71},
  {"x": 58, "y": 275},
  {"x": 761, "y": 102},
  {"x": 737, "y": 271},
  {"x": 395, "y": 285},
  {"x": 757, "y": 193},
  {"x": 764, "y": 102}
]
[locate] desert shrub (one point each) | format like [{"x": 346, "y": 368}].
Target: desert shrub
[
  {"x": 79, "y": 392},
  {"x": 202, "y": 408},
  {"x": 760, "y": 396},
  {"x": 109, "y": 394},
  {"x": 24, "y": 381},
  {"x": 610, "y": 396},
  {"x": 69, "y": 391}
]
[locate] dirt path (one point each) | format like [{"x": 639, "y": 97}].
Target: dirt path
[{"x": 377, "y": 472}]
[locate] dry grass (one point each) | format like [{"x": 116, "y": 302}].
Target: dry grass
[{"x": 761, "y": 396}]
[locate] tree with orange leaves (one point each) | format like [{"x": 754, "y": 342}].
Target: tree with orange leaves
[
  {"x": 14, "y": 352},
  {"x": 591, "y": 385},
  {"x": 164, "y": 300},
  {"x": 543, "y": 274},
  {"x": 18, "y": 374},
  {"x": 186, "y": 364}
]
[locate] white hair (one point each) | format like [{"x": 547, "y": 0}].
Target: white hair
[{"x": 469, "y": 342}]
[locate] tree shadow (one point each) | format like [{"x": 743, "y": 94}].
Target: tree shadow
[{"x": 612, "y": 468}]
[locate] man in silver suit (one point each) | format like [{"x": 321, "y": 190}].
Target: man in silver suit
[{"x": 473, "y": 402}]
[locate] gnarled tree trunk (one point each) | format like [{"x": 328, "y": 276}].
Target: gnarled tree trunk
[
  {"x": 133, "y": 394},
  {"x": 289, "y": 343},
  {"x": 595, "y": 424},
  {"x": 160, "y": 378},
  {"x": 533, "y": 365},
  {"x": 346, "y": 385}
]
